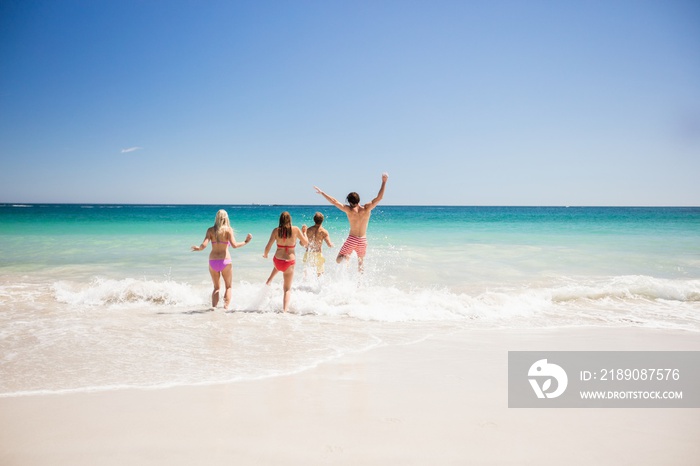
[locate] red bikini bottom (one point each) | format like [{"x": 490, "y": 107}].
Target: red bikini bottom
[{"x": 281, "y": 264}]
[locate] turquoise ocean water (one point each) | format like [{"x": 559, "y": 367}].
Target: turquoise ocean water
[{"x": 97, "y": 297}]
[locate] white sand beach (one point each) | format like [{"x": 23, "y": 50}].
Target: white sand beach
[{"x": 440, "y": 401}]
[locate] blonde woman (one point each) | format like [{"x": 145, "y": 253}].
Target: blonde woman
[
  {"x": 284, "y": 259},
  {"x": 221, "y": 237}
]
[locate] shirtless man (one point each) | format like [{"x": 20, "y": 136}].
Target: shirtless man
[
  {"x": 358, "y": 217},
  {"x": 317, "y": 235}
]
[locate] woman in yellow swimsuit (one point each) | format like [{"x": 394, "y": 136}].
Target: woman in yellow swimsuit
[{"x": 314, "y": 251}]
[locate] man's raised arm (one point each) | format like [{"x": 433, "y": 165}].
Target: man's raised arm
[
  {"x": 330, "y": 199},
  {"x": 380, "y": 195}
]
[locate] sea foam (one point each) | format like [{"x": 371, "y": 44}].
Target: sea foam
[{"x": 559, "y": 300}]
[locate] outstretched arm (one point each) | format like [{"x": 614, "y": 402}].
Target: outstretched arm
[
  {"x": 327, "y": 239},
  {"x": 301, "y": 234},
  {"x": 204, "y": 242},
  {"x": 330, "y": 199},
  {"x": 201, "y": 246},
  {"x": 235, "y": 245},
  {"x": 273, "y": 236},
  {"x": 380, "y": 195}
]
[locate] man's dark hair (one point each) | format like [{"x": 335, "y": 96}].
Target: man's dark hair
[{"x": 353, "y": 199}]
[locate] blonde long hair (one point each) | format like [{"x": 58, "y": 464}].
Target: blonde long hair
[{"x": 221, "y": 224}]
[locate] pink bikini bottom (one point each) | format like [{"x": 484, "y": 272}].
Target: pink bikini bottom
[{"x": 219, "y": 265}]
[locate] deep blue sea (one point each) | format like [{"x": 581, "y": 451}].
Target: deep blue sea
[{"x": 99, "y": 297}]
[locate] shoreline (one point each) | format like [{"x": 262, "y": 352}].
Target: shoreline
[
  {"x": 442, "y": 400},
  {"x": 332, "y": 359}
]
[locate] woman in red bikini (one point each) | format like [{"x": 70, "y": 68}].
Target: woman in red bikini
[
  {"x": 284, "y": 259},
  {"x": 221, "y": 236}
]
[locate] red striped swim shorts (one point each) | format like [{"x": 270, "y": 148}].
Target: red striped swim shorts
[{"x": 354, "y": 243}]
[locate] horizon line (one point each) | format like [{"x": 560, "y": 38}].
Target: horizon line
[{"x": 157, "y": 204}]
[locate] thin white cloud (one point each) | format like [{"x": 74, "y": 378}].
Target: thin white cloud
[{"x": 131, "y": 149}]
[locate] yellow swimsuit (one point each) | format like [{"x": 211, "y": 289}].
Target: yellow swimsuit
[{"x": 315, "y": 258}]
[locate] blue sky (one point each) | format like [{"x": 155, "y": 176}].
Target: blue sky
[{"x": 461, "y": 102}]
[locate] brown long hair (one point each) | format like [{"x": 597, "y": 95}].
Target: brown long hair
[{"x": 285, "y": 229}]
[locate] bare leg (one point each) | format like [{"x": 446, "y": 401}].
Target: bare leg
[
  {"x": 216, "y": 279},
  {"x": 287, "y": 287},
  {"x": 341, "y": 258},
  {"x": 272, "y": 275},
  {"x": 361, "y": 264},
  {"x": 227, "y": 273}
]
